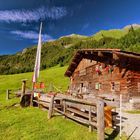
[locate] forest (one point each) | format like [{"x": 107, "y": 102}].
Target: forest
[{"x": 60, "y": 52}]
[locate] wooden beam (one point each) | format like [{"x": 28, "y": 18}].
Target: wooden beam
[
  {"x": 86, "y": 52},
  {"x": 50, "y": 112},
  {"x": 80, "y": 101},
  {"x": 68, "y": 73},
  {"x": 99, "y": 49},
  {"x": 115, "y": 56},
  {"x": 128, "y": 55},
  {"x": 100, "y": 120},
  {"x": 64, "y": 107},
  {"x": 7, "y": 94},
  {"x": 90, "y": 119},
  {"x": 81, "y": 120},
  {"x": 81, "y": 113},
  {"x": 78, "y": 54},
  {"x": 73, "y": 63},
  {"x": 100, "y": 54},
  {"x": 78, "y": 119},
  {"x": 23, "y": 87},
  {"x": 31, "y": 100}
]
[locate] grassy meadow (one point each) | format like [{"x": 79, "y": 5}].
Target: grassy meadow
[
  {"x": 31, "y": 123},
  {"x": 54, "y": 75}
]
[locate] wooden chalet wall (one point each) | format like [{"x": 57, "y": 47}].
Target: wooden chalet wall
[
  {"x": 133, "y": 79},
  {"x": 86, "y": 75},
  {"x": 111, "y": 80}
]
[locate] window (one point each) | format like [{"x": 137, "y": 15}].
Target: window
[
  {"x": 97, "y": 86},
  {"x": 115, "y": 86},
  {"x": 112, "y": 86},
  {"x": 81, "y": 85}
]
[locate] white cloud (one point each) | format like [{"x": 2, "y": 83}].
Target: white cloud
[
  {"x": 32, "y": 15},
  {"x": 31, "y": 35}
]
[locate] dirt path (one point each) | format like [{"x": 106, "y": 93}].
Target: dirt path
[{"x": 131, "y": 125}]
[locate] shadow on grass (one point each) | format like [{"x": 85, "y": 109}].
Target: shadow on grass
[
  {"x": 113, "y": 135},
  {"x": 115, "y": 131}
]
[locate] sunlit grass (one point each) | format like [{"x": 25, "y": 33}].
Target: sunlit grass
[
  {"x": 30, "y": 123},
  {"x": 134, "y": 112},
  {"x": 53, "y": 75}
]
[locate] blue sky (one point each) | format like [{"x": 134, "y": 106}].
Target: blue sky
[{"x": 20, "y": 19}]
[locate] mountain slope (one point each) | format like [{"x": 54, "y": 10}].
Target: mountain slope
[
  {"x": 110, "y": 33},
  {"x": 61, "y": 51}
]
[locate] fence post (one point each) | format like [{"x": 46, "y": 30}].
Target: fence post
[
  {"x": 51, "y": 87},
  {"x": 100, "y": 119},
  {"x": 90, "y": 126},
  {"x": 64, "y": 108},
  {"x": 50, "y": 112},
  {"x": 23, "y": 87},
  {"x": 7, "y": 94}
]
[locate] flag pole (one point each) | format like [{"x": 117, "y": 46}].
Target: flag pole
[
  {"x": 37, "y": 63},
  {"x": 38, "y": 58}
]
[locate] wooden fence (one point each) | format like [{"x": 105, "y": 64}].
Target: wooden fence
[
  {"x": 82, "y": 111},
  {"x": 10, "y": 93}
]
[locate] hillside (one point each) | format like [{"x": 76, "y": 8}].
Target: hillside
[
  {"x": 47, "y": 76},
  {"x": 32, "y": 123},
  {"x": 110, "y": 33},
  {"x": 61, "y": 51}
]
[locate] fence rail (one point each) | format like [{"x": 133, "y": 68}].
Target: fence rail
[{"x": 79, "y": 110}]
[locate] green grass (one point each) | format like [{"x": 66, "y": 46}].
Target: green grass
[
  {"x": 116, "y": 33},
  {"x": 53, "y": 75},
  {"x": 30, "y": 123},
  {"x": 134, "y": 112}
]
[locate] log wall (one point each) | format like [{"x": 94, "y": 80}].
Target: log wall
[{"x": 123, "y": 79}]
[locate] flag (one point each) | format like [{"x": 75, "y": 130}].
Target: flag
[{"x": 38, "y": 58}]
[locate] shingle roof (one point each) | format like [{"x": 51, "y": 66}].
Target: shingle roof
[{"x": 96, "y": 54}]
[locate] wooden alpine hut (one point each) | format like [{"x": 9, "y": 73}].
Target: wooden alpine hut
[{"x": 105, "y": 72}]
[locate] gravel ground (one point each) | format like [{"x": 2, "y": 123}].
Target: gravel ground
[{"x": 130, "y": 125}]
